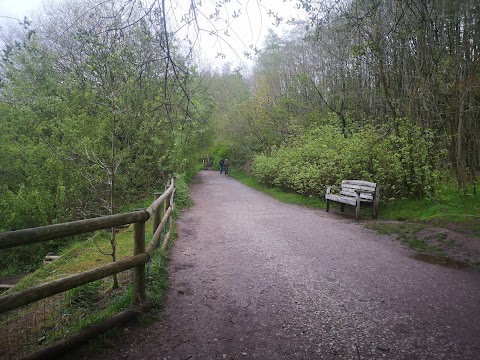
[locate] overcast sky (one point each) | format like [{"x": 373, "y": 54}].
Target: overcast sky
[
  {"x": 248, "y": 29},
  {"x": 18, "y": 8}
]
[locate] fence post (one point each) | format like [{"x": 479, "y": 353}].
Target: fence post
[
  {"x": 173, "y": 193},
  {"x": 139, "y": 278},
  {"x": 171, "y": 202},
  {"x": 157, "y": 216},
  {"x": 166, "y": 203}
]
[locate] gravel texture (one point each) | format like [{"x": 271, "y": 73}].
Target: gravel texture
[{"x": 253, "y": 278}]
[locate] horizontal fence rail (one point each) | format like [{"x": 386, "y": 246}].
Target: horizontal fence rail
[
  {"x": 161, "y": 210},
  {"x": 39, "y": 292},
  {"x": 51, "y": 232}
]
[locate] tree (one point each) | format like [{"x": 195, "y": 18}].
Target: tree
[
  {"x": 409, "y": 58},
  {"x": 102, "y": 102}
]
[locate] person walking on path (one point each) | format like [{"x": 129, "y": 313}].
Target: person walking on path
[
  {"x": 226, "y": 166},
  {"x": 221, "y": 163}
]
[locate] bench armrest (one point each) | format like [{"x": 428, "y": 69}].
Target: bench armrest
[{"x": 330, "y": 187}]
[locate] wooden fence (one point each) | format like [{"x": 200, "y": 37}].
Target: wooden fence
[{"x": 161, "y": 211}]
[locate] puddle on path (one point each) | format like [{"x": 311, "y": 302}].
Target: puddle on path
[{"x": 438, "y": 260}]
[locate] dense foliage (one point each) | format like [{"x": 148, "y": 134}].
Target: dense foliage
[
  {"x": 98, "y": 107},
  {"x": 406, "y": 164},
  {"x": 95, "y": 112}
]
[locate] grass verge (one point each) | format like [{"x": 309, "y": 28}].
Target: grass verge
[
  {"x": 276, "y": 193},
  {"x": 407, "y": 233},
  {"x": 407, "y": 218}
]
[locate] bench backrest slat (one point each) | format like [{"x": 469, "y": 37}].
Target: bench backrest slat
[
  {"x": 359, "y": 184},
  {"x": 352, "y": 193}
]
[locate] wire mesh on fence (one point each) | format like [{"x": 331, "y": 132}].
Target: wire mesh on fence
[{"x": 29, "y": 328}]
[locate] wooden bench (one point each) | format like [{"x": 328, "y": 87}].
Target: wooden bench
[{"x": 355, "y": 192}]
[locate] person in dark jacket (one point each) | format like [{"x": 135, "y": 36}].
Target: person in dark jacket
[
  {"x": 226, "y": 166},
  {"x": 221, "y": 163}
]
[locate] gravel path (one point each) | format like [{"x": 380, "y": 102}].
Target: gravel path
[{"x": 253, "y": 278}]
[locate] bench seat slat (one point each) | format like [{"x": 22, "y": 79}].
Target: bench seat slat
[{"x": 342, "y": 199}]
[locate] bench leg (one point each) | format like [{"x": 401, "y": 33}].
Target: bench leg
[
  {"x": 376, "y": 203},
  {"x": 328, "y": 205},
  {"x": 342, "y": 207},
  {"x": 357, "y": 206}
]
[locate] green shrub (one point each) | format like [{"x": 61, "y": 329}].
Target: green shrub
[
  {"x": 26, "y": 208},
  {"x": 404, "y": 163},
  {"x": 418, "y": 160}
]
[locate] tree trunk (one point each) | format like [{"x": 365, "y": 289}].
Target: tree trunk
[
  {"x": 460, "y": 160},
  {"x": 113, "y": 239}
]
